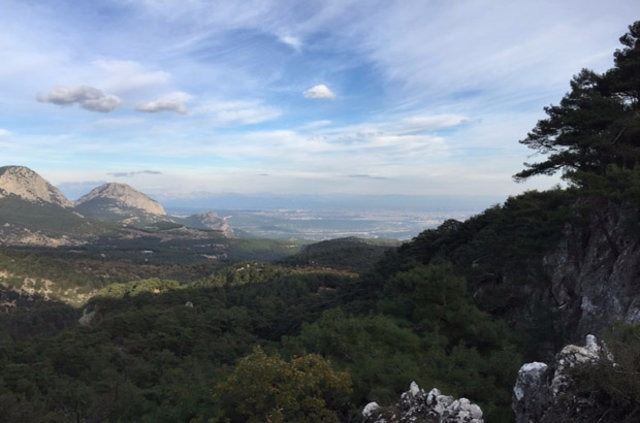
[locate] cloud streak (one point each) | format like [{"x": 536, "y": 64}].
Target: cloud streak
[
  {"x": 134, "y": 173},
  {"x": 239, "y": 112}
]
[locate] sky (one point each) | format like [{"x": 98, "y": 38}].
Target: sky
[{"x": 191, "y": 97}]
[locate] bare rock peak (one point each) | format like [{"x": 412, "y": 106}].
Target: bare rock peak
[
  {"x": 126, "y": 196},
  {"x": 28, "y": 185}
]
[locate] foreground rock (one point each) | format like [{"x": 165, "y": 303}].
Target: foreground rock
[
  {"x": 544, "y": 393},
  {"x": 418, "y": 406}
]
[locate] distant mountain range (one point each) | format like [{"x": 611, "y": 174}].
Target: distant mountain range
[{"x": 34, "y": 212}]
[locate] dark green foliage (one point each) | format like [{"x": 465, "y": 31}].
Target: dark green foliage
[
  {"x": 256, "y": 272},
  {"x": 500, "y": 253},
  {"x": 152, "y": 285},
  {"x": 597, "y": 124},
  {"x": 50, "y": 219},
  {"x": 355, "y": 254},
  {"x": 148, "y": 356},
  {"x": 266, "y": 388},
  {"x": 427, "y": 329},
  {"x": 381, "y": 356}
]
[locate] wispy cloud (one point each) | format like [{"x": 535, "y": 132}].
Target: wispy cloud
[
  {"x": 433, "y": 122},
  {"x": 88, "y": 98},
  {"x": 293, "y": 42},
  {"x": 237, "y": 112},
  {"x": 124, "y": 76},
  {"x": 134, "y": 173},
  {"x": 366, "y": 176}
]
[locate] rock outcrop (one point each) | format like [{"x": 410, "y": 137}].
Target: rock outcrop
[
  {"x": 543, "y": 393},
  {"x": 26, "y": 184},
  {"x": 418, "y": 406}
]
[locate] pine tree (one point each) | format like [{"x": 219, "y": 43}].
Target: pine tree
[{"x": 596, "y": 126}]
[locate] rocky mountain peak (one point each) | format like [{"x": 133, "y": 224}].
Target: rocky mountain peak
[
  {"x": 123, "y": 196},
  {"x": 28, "y": 185}
]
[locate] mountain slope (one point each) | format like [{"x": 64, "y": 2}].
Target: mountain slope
[
  {"x": 120, "y": 203},
  {"x": 26, "y": 184}
]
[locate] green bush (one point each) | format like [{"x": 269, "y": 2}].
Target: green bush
[{"x": 265, "y": 388}]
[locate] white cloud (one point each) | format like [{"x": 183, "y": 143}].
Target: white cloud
[
  {"x": 4, "y": 133},
  {"x": 174, "y": 102},
  {"x": 88, "y": 98},
  {"x": 238, "y": 112},
  {"x": 319, "y": 91},
  {"x": 293, "y": 42}
]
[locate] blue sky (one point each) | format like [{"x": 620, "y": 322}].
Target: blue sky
[{"x": 290, "y": 97}]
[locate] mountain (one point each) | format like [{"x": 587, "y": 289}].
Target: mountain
[
  {"x": 26, "y": 184},
  {"x": 34, "y": 212},
  {"x": 120, "y": 203}
]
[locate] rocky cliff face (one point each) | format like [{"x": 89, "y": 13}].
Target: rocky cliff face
[
  {"x": 121, "y": 203},
  {"x": 28, "y": 185},
  {"x": 594, "y": 272},
  {"x": 418, "y": 406},
  {"x": 545, "y": 393}
]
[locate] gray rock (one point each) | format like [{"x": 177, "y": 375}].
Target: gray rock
[
  {"x": 544, "y": 394},
  {"x": 418, "y": 406}
]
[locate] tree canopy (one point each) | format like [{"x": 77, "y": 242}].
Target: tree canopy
[{"x": 596, "y": 126}]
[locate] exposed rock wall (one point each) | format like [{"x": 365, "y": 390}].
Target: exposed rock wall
[{"x": 595, "y": 271}]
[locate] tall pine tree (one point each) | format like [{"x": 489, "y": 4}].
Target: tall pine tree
[{"x": 596, "y": 126}]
